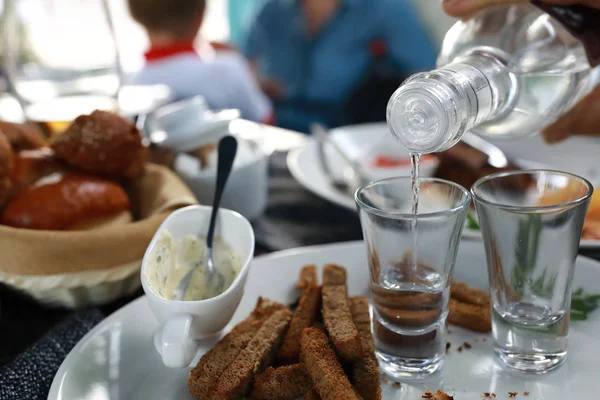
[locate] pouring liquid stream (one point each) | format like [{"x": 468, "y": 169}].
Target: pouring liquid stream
[{"x": 414, "y": 180}]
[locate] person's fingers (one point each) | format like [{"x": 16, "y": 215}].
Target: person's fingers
[
  {"x": 583, "y": 119},
  {"x": 591, "y": 3},
  {"x": 464, "y": 8}
]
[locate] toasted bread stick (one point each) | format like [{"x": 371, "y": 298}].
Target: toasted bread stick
[
  {"x": 406, "y": 301},
  {"x": 304, "y": 315},
  {"x": 469, "y": 316},
  {"x": 334, "y": 275},
  {"x": 463, "y": 293},
  {"x": 237, "y": 378},
  {"x": 324, "y": 368},
  {"x": 365, "y": 372},
  {"x": 312, "y": 395},
  {"x": 336, "y": 314},
  {"x": 410, "y": 317},
  {"x": 308, "y": 277},
  {"x": 283, "y": 383},
  {"x": 319, "y": 325},
  {"x": 216, "y": 360}
]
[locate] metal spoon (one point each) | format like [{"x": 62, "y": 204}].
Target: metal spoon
[
  {"x": 216, "y": 280},
  {"x": 496, "y": 157},
  {"x": 352, "y": 178}
]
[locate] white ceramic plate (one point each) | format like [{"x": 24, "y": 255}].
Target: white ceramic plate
[
  {"x": 305, "y": 167},
  {"x": 358, "y": 141},
  {"x": 117, "y": 360}
]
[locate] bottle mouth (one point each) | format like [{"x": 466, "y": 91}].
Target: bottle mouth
[{"x": 418, "y": 119}]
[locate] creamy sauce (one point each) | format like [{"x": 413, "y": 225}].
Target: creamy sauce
[{"x": 172, "y": 259}]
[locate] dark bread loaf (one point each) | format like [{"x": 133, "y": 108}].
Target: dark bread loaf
[{"x": 61, "y": 201}]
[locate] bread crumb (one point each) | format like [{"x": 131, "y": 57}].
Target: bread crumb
[
  {"x": 397, "y": 384},
  {"x": 438, "y": 395},
  {"x": 526, "y": 393},
  {"x": 512, "y": 394},
  {"x": 385, "y": 380},
  {"x": 467, "y": 345},
  {"x": 459, "y": 349},
  {"x": 484, "y": 340},
  {"x": 448, "y": 346}
]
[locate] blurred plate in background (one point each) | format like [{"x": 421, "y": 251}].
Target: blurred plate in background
[{"x": 133, "y": 100}]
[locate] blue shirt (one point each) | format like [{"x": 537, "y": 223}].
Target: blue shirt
[{"x": 320, "y": 72}]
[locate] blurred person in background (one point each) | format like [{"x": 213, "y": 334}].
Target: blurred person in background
[
  {"x": 314, "y": 57},
  {"x": 222, "y": 77},
  {"x": 584, "y": 118},
  {"x": 239, "y": 15}
]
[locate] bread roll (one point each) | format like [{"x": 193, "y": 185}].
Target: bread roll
[
  {"x": 31, "y": 165},
  {"x": 104, "y": 144},
  {"x": 6, "y": 165},
  {"x": 22, "y": 136},
  {"x": 6, "y": 157},
  {"x": 61, "y": 201}
]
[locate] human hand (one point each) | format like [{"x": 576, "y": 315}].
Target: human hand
[
  {"x": 273, "y": 88},
  {"x": 584, "y": 118},
  {"x": 220, "y": 46},
  {"x": 465, "y": 8}
]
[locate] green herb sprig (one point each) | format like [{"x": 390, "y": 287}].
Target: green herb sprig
[
  {"x": 526, "y": 249},
  {"x": 582, "y": 304},
  {"x": 472, "y": 222}
]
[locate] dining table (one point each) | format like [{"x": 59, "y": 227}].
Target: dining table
[{"x": 34, "y": 339}]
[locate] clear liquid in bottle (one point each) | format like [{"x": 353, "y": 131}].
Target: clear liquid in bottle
[{"x": 508, "y": 72}]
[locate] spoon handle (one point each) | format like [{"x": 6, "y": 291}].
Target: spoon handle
[{"x": 226, "y": 155}]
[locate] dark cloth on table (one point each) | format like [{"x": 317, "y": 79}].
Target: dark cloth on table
[
  {"x": 29, "y": 376},
  {"x": 296, "y": 217}
]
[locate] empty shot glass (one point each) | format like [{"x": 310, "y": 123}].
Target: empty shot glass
[
  {"x": 531, "y": 233},
  {"x": 411, "y": 260}
]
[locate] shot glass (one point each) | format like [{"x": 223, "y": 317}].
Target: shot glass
[
  {"x": 531, "y": 238},
  {"x": 411, "y": 260}
]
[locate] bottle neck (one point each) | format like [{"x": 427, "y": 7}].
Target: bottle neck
[{"x": 431, "y": 111}]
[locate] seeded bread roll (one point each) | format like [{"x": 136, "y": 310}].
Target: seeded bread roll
[
  {"x": 104, "y": 144},
  {"x": 6, "y": 165}
]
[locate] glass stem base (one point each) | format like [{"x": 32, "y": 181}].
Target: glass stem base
[
  {"x": 536, "y": 363},
  {"x": 400, "y": 368}
]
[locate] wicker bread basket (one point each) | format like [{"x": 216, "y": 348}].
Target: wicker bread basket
[{"x": 80, "y": 268}]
